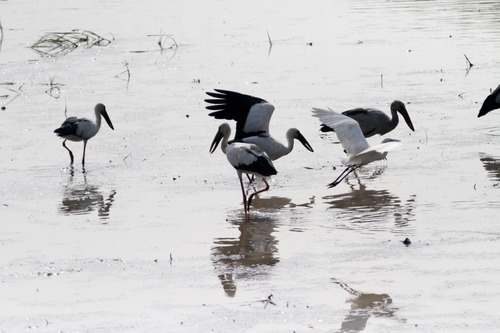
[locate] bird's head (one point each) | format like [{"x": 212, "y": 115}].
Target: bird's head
[
  {"x": 398, "y": 106},
  {"x": 101, "y": 109},
  {"x": 224, "y": 131},
  {"x": 295, "y": 134}
]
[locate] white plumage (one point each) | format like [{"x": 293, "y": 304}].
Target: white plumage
[
  {"x": 259, "y": 117},
  {"x": 352, "y": 139}
]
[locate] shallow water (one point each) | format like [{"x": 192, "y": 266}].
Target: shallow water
[{"x": 151, "y": 237}]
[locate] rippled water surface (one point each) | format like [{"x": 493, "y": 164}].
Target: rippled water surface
[{"x": 152, "y": 236}]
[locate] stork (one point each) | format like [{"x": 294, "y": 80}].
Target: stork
[
  {"x": 373, "y": 121},
  {"x": 252, "y": 116},
  {"x": 82, "y": 129},
  {"x": 245, "y": 158}
]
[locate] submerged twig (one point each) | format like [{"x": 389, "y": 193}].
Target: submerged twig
[
  {"x": 381, "y": 80},
  {"x": 1, "y": 35},
  {"x": 54, "y": 89},
  {"x": 270, "y": 43},
  {"x": 127, "y": 157},
  {"x": 164, "y": 38},
  {"x": 469, "y": 64},
  {"x": 162, "y": 43},
  {"x": 268, "y": 300},
  {"x": 166, "y": 42},
  {"x": 11, "y": 97},
  {"x": 126, "y": 71}
]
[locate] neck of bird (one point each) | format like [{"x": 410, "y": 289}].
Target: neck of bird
[
  {"x": 223, "y": 145},
  {"x": 290, "y": 140},
  {"x": 98, "y": 119},
  {"x": 394, "y": 119}
]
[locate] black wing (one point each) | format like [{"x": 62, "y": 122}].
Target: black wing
[
  {"x": 231, "y": 105},
  {"x": 68, "y": 127}
]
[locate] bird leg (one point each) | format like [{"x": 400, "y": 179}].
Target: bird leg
[
  {"x": 344, "y": 174},
  {"x": 70, "y": 153},
  {"x": 245, "y": 207},
  {"x": 257, "y": 192},
  {"x": 84, "y": 148}
]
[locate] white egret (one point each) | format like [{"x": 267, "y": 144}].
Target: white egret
[{"x": 352, "y": 139}]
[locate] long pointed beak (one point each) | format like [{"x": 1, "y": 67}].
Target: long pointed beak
[
  {"x": 303, "y": 140},
  {"x": 218, "y": 137},
  {"x": 406, "y": 116},
  {"x": 106, "y": 117},
  {"x": 489, "y": 104}
]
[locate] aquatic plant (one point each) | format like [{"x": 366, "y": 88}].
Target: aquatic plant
[
  {"x": 54, "y": 88},
  {"x": 12, "y": 93},
  {"x": 125, "y": 73},
  {"x": 165, "y": 42},
  {"x": 61, "y": 43}
]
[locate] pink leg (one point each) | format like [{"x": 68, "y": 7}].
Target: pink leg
[
  {"x": 255, "y": 193},
  {"x": 245, "y": 207}
]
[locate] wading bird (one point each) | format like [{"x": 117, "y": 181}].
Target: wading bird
[
  {"x": 82, "y": 129},
  {"x": 252, "y": 116},
  {"x": 352, "y": 139},
  {"x": 245, "y": 158},
  {"x": 373, "y": 121},
  {"x": 491, "y": 102}
]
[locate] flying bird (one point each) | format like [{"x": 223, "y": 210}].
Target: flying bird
[
  {"x": 491, "y": 102},
  {"x": 352, "y": 139},
  {"x": 82, "y": 129},
  {"x": 373, "y": 121},
  {"x": 245, "y": 158},
  {"x": 252, "y": 116}
]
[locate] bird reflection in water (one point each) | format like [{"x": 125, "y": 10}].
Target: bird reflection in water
[
  {"x": 275, "y": 203},
  {"x": 378, "y": 205},
  {"x": 247, "y": 256},
  {"x": 491, "y": 165},
  {"x": 81, "y": 197},
  {"x": 363, "y": 306}
]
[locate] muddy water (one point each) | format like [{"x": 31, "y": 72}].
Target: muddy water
[{"x": 152, "y": 238}]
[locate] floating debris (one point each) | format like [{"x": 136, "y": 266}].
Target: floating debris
[{"x": 61, "y": 43}]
